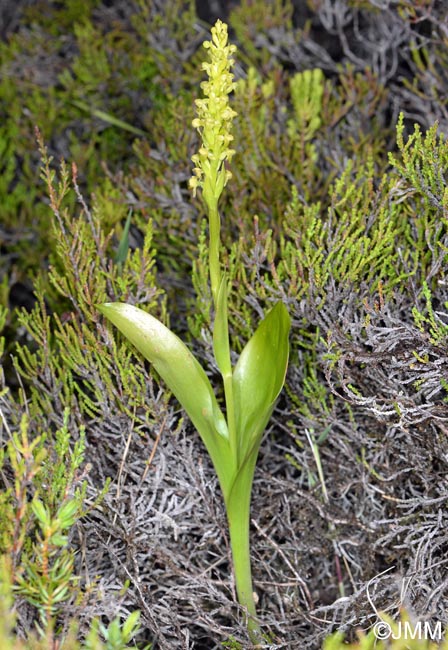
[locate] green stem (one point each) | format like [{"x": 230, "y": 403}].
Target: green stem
[
  {"x": 238, "y": 499},
  {"x": 238, "y": 515},
  {"x": 214, "y": 243},
  {"x": 215, "y": 281}
]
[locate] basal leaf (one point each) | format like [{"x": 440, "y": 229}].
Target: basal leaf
[
  {"x": 183, "y": 375},
  {"x": 259, "y": 376}
]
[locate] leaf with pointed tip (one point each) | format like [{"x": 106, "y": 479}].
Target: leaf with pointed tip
[
  {"x": 259, "y": 376},
  {"x": 183, "y": 375}
]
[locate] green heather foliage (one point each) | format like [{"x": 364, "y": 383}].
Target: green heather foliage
[
  {"x": 430, "y": 321},
  {"x": 91, "y": 81},
  {"x": 338, "y": 207},
  {"x": 64, "y": 370},
  {"x": 38, "y": 513},
  {"x": 81, "y": 248}
]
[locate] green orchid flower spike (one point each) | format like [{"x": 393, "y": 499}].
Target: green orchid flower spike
[{"x": 253, "y": 385}]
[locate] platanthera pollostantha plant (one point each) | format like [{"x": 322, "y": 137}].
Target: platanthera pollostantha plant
[{"x": 233, "y": 437}]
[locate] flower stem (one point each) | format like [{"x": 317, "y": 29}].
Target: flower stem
[
  {"x": 238, "y": 515},
  {"x": 214, "y": 243},
  {"x": 215, "y": 281}
]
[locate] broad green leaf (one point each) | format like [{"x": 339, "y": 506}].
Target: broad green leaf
[
  {"x": 221, "y": 331},
  {"x": 259, "y": 376},
  {"x": 183, "y": 375}
]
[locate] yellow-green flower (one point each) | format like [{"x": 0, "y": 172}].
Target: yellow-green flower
[{"x": 214, "y": 118}]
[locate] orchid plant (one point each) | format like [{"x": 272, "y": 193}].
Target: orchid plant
[{"x": 232, "y": 437}]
